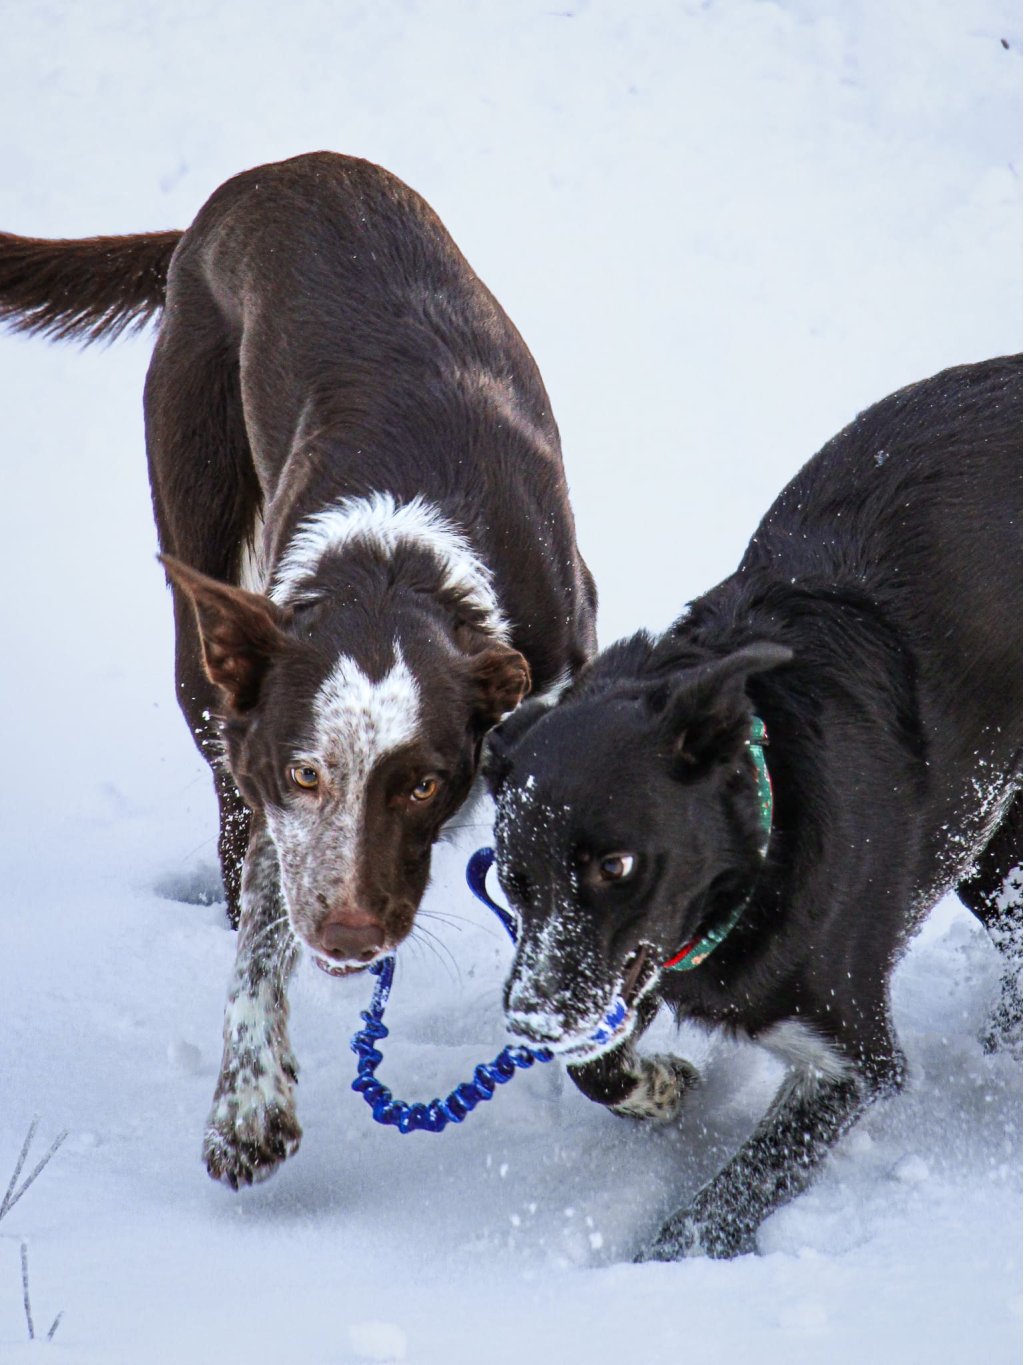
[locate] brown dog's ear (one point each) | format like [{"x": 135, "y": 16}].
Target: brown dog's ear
[
  {"x": 500, "y": 679},
  {"x": 240, "y": 632}
]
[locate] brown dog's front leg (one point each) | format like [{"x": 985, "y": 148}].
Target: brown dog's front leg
[{"x": 252, "y": 1126}]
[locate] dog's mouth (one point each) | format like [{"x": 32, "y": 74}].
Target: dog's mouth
[
  {"x": 639, "y": 976},
  {"x": 618, "y": 1016},
  {"x": 340, "y": 968}
]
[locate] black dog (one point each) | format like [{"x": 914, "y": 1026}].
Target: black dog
[
  {"x": 874, "y": 628},
  {"x": 339, "y": 416}
]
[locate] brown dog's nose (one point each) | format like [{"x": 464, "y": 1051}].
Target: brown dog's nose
[{"x": 352, "y": 942}]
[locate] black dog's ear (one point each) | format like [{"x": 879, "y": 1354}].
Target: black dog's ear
[
  {"x": 500, "y": 742},
  {"x": 743, "y": 663},
  {"x": 706, "y": 711}
]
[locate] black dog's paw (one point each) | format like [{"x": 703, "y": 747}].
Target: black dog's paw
[
  {"x": 658, "y": 1094},
  {"x": 697, "y": 1232},
  {"x": 676, "y": 1240}
]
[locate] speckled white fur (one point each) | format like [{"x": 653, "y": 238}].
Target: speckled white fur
[
  {"x": 260, "y": 1081},
  {"x": 662, "y": 1081},
  {"x": 383, "y": 522}
]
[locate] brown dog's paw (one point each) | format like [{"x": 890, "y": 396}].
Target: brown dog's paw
[
  {"x": 250, "y": 1133},
  {"x": 658, "y": 1095},
  {"x": 238, "y": 1160}
]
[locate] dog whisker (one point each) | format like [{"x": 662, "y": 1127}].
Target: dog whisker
[
  {"x": 199, "y": 848},
  {"x": 267, "y": 928},
  {"x": 446, "y": 917},
  {"x": 439, "y": 949}
]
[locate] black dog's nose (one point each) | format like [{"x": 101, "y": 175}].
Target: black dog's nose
[
  {"x": 352, "y": 942},
  {"x": 538, "y": 1028}
]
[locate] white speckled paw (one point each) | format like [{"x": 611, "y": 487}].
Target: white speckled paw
[
  {"x": 252, "y": 1127},
  {"x": 659, "y": 1093}
]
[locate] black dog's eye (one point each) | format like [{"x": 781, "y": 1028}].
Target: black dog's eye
[{"x": 617, "y": 867}]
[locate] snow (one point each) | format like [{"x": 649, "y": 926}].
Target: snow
[
  {"x": 722, "y": 229},
  {"x": 378, "y": 1341}
]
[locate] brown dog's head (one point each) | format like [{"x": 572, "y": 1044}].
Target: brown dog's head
[{"x": 356, "y": 744}]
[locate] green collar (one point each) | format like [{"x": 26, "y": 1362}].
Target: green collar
[{"x": 695, "y": 952}]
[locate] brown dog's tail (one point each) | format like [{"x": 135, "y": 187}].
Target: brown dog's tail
[{"x": 95, "y": 287}]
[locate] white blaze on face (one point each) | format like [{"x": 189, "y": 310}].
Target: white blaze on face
[{"x": 356, "y": 722}]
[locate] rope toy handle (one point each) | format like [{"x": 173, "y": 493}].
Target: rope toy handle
[{"x": 434, "y": 1116}]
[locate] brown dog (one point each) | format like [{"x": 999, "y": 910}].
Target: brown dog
[{"x": 358, "y": 488}]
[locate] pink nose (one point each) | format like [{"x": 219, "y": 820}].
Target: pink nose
[{"x": 352, "y": 942}]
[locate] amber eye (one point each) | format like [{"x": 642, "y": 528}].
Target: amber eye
[
  {"x": 425, "y": 789},
  {"x": 617, "y": 867},
  {"x": 304, "y": 775}
]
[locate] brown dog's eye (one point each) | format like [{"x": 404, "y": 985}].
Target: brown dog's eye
[
  {"x": 425, "y": 789},
  {"x": 616, "y": 867},
  {"x": 304, "y": 775}
]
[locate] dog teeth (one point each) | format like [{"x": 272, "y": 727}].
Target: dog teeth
[{"x": 333, "y": 970}]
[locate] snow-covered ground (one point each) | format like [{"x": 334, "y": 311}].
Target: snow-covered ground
[{"x": 723, "y": 228}]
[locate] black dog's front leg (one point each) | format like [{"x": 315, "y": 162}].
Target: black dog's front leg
[
  {"x": 776, "y": 1164},
  {"x": 634, "y": 1086}
]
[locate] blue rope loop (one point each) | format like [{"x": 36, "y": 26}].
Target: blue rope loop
[{"x": 434, "y": 1116}]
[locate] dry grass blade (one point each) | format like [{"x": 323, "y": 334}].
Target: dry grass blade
[
  {"x": 7, "y": 1200},
  {"x": 24, "y": 1291},
  {"x": 13, "y": 1195}
]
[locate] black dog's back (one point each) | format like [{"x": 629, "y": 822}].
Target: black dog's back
[
  {"x": 915, "y": 509},
  {"x": 917, "y": 505}
]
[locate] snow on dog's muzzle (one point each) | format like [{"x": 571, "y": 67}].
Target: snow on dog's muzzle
[
  {"x": 529, "y": 1018},
  {"x": 615, "y": 1027},
  {"x": 608, "y": 1025}
]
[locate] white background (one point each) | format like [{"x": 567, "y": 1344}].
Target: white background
[{"x": 723, "y": 228}]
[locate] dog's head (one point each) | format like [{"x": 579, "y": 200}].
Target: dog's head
[
  {"x": 627, "y": 818},
  {"x": 355, "y": 763}
]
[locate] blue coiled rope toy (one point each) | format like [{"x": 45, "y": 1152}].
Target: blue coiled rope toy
[{"x": 437, "y": 1114}]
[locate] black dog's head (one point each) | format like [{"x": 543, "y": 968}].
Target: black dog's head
[{"x": 627, "y": 817}]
